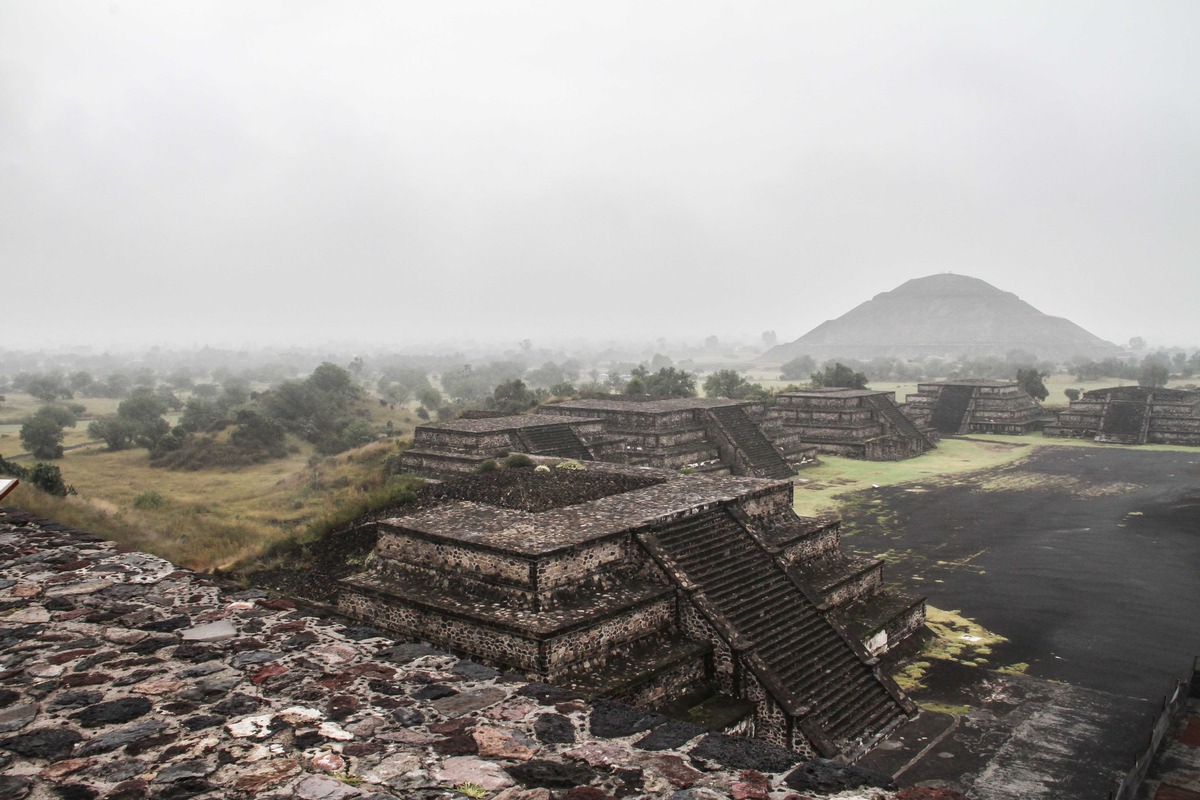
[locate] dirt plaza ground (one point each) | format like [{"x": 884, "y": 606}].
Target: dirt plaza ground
[{"x": 1074, "y": 567}]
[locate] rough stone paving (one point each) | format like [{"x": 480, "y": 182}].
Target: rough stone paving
[{"x": 122, "y": 676}]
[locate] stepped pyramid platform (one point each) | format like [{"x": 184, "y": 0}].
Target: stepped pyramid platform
[
  {"x": 858, "y": 423},
  {"x": 975, "y": 406},
  {"x": 463, "y": 444},
  {"x": 653, "y": 588},
  {"x": 703, "y": 434},
  {"x": 1132, "y": 415}
]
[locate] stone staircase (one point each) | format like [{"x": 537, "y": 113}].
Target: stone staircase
[
  {"x": 1125, "y": 422},
  {"x": 840, "y": 701},
  {"x": 901, "y": 425},
  {"x": 745, "y": 435},
  {"x": 950, "y": 411},
  {"x": 554, "y": 440}
]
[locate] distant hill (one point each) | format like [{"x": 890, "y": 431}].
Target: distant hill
[{"x": 943, "y": 315}]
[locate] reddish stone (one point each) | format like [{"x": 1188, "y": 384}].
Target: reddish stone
[
  {"x": 1191, "y": 733},
  {"x": 61, "y": 769},
  {"x": 289, "y": 627},
  {"x": 267, "y": 672},
  {"x": 265, "y": 776},
  {"x": 69, "y": 655},
  {"x": 73, "y": 565},
  {"x": 372, "y": 671},
  {"x": 456, "y": 745},
  {"x": 342, "y": 706},
  {"x": 328, "y": 762},
  {"x": 569, "y": 707},
  {"x": 1166, "y": 792},
  {"x": 675, "y": 770},
  {"x": 586, "y": 793},
  {"x": 85, "y": 679},
  {"x": 751, "y": 785},
  {"x": 246, "y": 643},
  {"x": 453, "y": 726},
  {"x": 359, "y": 749},
  {"x": 336, "y": 681},
  {"x": 277, "y": 604},
  {"x": 67, "y": 616},
  {"x": 929, "y": 793}
]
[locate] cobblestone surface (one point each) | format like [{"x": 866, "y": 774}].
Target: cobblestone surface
[{"x": 122, "y": 676}]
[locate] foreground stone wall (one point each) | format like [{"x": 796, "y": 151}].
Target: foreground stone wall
[{"x": 124, "y": 677}]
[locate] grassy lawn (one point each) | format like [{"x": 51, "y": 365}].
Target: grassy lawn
[{"x": 206, "y": 519}]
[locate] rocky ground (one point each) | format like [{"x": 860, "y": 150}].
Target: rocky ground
[{"x": 122, "y": 676}]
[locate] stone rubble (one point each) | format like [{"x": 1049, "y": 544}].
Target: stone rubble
[{"x": 124, "y": 677}]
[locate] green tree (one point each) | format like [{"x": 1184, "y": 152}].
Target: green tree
[
  {"x": 430, "y": 398},
  {"x": 841, "y": 376},
  {"x": 115, "y": 432},
  {"x": 512, "y": 397},
  {"x": 670, "y": 382},
  {"x": 1032, "y": 381},
  {"x": 47, "y": 388},
  {"x": 636, "y": 387},
  {"x": 798, "y": 369},
  {"x": 42, "y": 432},
  {"x": 728, "y": 383},
  {"x": 200, "y": 414},
  {"x": 1153, "y": 374},
  {"x": 1072, "y": 394},
  {"x": 143, "y": 410}
]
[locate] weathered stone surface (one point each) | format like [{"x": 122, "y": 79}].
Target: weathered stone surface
[
  {"x": 468, "y": 769},
  {"x": 265, "y": 775},
  {"x": 212, "y": 632},
  {"x": 175, "y": 718},
  {"x": 551, "y": 774},
  {"x": 466, "y": 702},
  {"x": 670, "y": 735},
  {"x": 48, "y": 743},
  {"x": 113, "y": 712},
  {"x": 13, "y": 787},
  {"x": 830, "y": 777},
  {"x": 554, "y": 729},
  {"x": 496, "y": 743},
  {"x": 195, "y": 768},
  {"x": 16, "y": 717},
  {"x": 612, "y": 720},
  {"x": 328, "y": 762},
  {"x": 319, "y": 787},
  {"x": 674, "y": 769},
  {"x": 739, "y": 753},
  {"x": 122, "y": 736}
]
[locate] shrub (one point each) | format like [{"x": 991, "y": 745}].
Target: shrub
[
  {"x": 518, "y": 461},
  {"x": 569, "y": 464},
  {"x": 541, "y": 468},
  {"x": 487, "y": 466},
  {"x": 149, "y": 501}
]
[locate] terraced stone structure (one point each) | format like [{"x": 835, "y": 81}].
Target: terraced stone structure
[
  {"x": 463, "y": 444},
  {"x": 975, "y": 406},
  {"x": 857, "y": 423},
  {"x": 688, "y": 592},
  {"x": 704, "y": 434},
  {"x": 123, "y": 677},
  {"x": 1132, "y": 415}
]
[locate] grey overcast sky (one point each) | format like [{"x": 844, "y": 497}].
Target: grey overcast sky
[{"x": 387, "y": 172}]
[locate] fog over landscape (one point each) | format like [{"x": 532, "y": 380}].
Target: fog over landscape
[{"x": 398, "y": 174}]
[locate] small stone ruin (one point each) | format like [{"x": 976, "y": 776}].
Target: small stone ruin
[
  {"x": 703, "y": 596},
  {"x": 1132, "y": 415},
  {"x": 857, "y": 423},
  {"x": 975, "y": 406}
]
